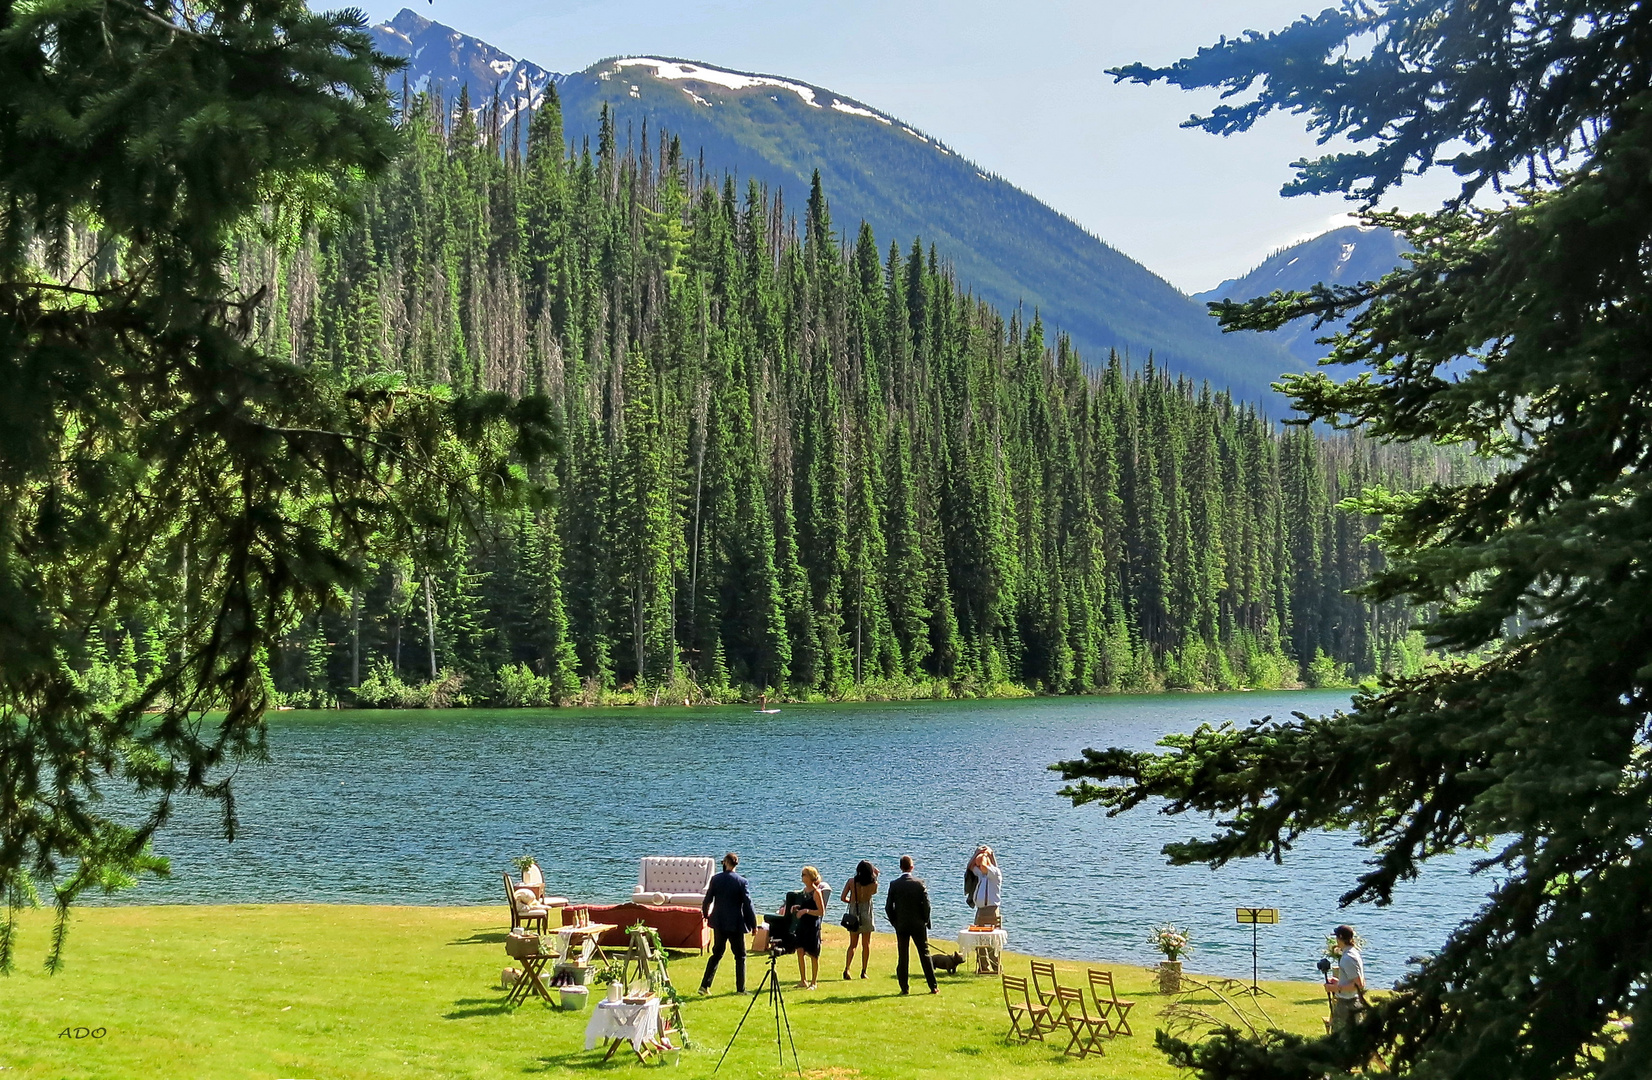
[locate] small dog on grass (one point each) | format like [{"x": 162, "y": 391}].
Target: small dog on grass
[{"x": 947, "y": 962}]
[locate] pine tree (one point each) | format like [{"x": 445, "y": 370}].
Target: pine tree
[
  {"x": 645, "y": 528},
  {"x": 1536, "y": 750},
  {"x": 146, "y": 352},
  {"x": 870, "y": 474}
]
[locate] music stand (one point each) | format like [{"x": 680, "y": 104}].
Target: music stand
[{"x": 1255, "y": 917}]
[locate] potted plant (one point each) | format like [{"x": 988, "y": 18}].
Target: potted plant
[
  {"x": 609, "y": 977},
  {"x": 1172, "y": 941}
]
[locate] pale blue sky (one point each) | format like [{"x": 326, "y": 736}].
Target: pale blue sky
[{"x": 1019, "y": 87}]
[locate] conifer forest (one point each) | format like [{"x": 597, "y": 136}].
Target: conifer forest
[{"x": 796, "y": 459}]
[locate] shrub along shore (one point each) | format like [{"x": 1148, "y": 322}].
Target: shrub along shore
[
  {"x": 521, "y": 689},
  {"x": 357, "y": 991}
]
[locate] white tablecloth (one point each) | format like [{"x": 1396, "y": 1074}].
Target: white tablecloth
[
  {"x": 585, "y": 935},
  {"x": 982, "y": 939},
  {"x": 637, "y": 1024}
]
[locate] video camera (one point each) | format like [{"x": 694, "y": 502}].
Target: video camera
[
  {"x": 783, "y": 927},
  {"x": 781, "y": 936},
  {"x": 1324, "y": 965}
]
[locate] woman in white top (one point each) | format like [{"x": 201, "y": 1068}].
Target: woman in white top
[{"x": 988, "y": 887}]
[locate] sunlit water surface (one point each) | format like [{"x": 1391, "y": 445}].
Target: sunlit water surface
[{"x": 429, "y": 807}]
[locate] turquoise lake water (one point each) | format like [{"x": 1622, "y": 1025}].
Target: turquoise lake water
[{"x": 429, "y": 807}]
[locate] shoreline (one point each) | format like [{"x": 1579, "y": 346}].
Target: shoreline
[
  {"x": 669, "y": 707},
  {"x": 833, "y": 936}
]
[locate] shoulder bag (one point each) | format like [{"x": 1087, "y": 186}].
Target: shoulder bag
[{"x": 851, "y": 920}]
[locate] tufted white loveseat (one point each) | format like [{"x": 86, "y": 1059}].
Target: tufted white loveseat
[{"x": 673, "y": 879}]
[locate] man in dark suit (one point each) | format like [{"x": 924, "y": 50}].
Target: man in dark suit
[
  {"x": 727, "y": 907},
  {"x": 907, "y": 906}
]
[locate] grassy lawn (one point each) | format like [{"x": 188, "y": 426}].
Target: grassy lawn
[{"x": 331, "y": 992}]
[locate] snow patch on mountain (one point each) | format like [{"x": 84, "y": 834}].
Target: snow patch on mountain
[
  {"x": 856, "y": 110},
  {"x": 677, "y": 70}
]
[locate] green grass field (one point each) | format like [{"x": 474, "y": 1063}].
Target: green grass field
[{"x": 331, "y": 992}]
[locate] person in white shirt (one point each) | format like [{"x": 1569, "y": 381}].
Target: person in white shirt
[
  {"x": 989, "y": 885},
  {"x": 1346, "y": 981}
]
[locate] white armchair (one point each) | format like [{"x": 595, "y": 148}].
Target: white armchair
[{"x": 673, "y": 880}]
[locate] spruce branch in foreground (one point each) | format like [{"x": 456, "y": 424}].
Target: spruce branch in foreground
[
  {"x": 1541, "y": 755},
  {"x": 153, "y": 463}
]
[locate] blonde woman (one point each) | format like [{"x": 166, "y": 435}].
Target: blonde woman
[{"x": 806, "y": 935}]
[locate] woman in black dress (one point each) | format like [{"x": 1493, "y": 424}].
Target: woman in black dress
[{"x": 807, "y": 932}]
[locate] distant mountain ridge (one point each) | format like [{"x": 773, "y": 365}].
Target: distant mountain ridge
[
  {"x": 442, "y": 60},
  {"x": 1005, "y": 245},
  {"x": 1342, "y": 256}
]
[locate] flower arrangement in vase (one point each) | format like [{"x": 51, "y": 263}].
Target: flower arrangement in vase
[{"x": 1173, "y": 942}]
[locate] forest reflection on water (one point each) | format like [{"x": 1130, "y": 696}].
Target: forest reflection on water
[{"x": 429, "y": 807}]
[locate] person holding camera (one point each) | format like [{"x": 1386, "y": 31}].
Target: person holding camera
[
  {"x": 907, "y": 906},
  {"x": 727, "y": 908},
  {"x": 1345, "y": 981},
  {"x": 857, "y": 893},
  {"x": 810, "y": 909},
  {"x": 989, "y": 883}
]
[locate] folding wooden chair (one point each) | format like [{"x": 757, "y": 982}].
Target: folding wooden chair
[
  {"x": 1044, "y": 970},
  {"x": 518, "y": 917},
  {"x": 1027, "y": 1021},
  {"x": 1114, "y": 1011},
  {"x": 1088, "y": 1031}
]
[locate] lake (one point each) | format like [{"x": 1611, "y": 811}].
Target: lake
[{"x": 429, "y": 807}]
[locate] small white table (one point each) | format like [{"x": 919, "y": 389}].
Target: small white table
[
  {"x": 637, "y": 1023},
  {"x": 988, "y": 945}
]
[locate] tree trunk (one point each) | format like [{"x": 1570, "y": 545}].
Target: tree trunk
[
  {"x": 430, "y": 621},
  {"x": 694, "y": 561},
  {"x": 183, "y": 637},
  {"x": 355, "y": 638}
]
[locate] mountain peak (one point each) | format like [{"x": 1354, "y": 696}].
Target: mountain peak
[
  {"x": 1342, "y": 256},
  {"x": 409, "y": 23},
  {"x": 442, "y": 60},
  {"x": 1004, "y": 245}
]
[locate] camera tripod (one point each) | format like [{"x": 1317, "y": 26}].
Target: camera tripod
[{"x": 777, "y": 1003}]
